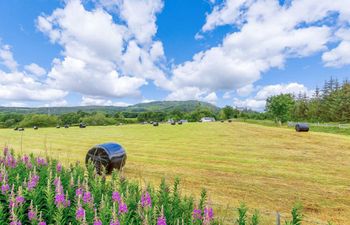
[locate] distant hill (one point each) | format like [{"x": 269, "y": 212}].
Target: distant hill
[{"x": 160, "y": 106}]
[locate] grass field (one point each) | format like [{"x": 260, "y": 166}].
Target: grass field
[{"x": 268, "y": 168}]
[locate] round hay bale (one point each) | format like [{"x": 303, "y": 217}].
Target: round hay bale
[
  {"x": 155, "y": 124},
  {"x": 106, "y": 156},
  {"x": 302, "y": 127},
  {"x": 35, "y": 127},
  {"x": 66, "y": 126},
  {"x": 221, "y": 121},
  {"x": 229, "y": 121},
  {"x": 20, "y": 129},
  {"x": 58, "y": 126},
  {"x": 180, "y": 122},
  {"x": 82, "y": 125},
  {"x": 16, "y": 128}
]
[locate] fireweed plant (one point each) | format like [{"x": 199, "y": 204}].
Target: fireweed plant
[{"x": 39, "y": 191}]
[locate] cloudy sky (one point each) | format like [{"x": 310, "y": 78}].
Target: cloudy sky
[{"x": 121, "y": 52}]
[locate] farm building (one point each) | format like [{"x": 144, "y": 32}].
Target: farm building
[{"x": 207, "y": 119}]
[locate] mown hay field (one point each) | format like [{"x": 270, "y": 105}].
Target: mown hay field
[{"x": 268, "y": 168}]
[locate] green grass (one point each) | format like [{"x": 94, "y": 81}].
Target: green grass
[
  {"x": 331, "y": 130},
  {"x": 268, "y": 168}
]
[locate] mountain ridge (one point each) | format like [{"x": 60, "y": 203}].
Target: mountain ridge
[{"x": 164, "y": 106}]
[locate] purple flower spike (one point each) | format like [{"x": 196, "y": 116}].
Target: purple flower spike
[
  {"x": 80, "y": 214},
  {"x": 31, "y": 215},
  {"x": 116, "y": 197},
  {"x": 58, "y": 168},
  {"x": 123, "y": 208},
  {"x": 5, "y": 188},
  {"x": 115, "y": 222},
  {"x": 161, "y": 220},
  {"x": 59, "y": 199},
  {"x": 32, "y": 183},
  {"x": 87, "y": 197},
  {"x": 197, "y": 214},
  {"x": 97, "y": 222},
  {"x": 146, "y": 200},
  {"x": 42, "y": 223},
  {"x": 208, "y": 213},
  {"x": 79, "y": 192},
  {"x": 19, "y": 199}
]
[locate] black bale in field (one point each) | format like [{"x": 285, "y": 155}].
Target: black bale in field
[
  {"x": 20, "y": 129},
  {"x": 66, "y": 126},
  {"x": 229, "y": 121},
  {"x": 16, "y": 128},
  {"x": 180, "y": 122},
  {"x": 173, "y": 123},
  {"x": 302, "y": 127},
  {"x": 35, "y": 127},
  {"x": 82, "y": 125},
  {"x": 58, "y": 126},
  {"x": 106, "y": 156},
  {"x": 155, "y": 124}
]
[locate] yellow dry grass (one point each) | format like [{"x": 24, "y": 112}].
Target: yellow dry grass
[{"x": 267, "y": 168}]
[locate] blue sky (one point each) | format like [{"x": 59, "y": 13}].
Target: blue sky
[{"x": 118, "y": 52}]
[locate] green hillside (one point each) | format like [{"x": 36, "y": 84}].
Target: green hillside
[{"x": 163, "y": 106}]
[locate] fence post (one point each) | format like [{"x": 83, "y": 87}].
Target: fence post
[{"x": 278, "y": 218}]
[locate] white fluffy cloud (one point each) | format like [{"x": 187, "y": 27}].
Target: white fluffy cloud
[
  {"x": 17, "y": 85},
  {"x": 35, "y": 69},
  {"x": 340, "y": 55},
  {"x": 267, "y": 35},
  {"x": 259, "y": 100},
  {"x": 6, "y": 58},
  {"x": 88, "y": 100},
  {"x": 192, "y": 93},
  {"x": 104, "y": 58}
]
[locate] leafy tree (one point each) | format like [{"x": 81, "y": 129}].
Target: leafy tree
[{"x": 280, "y": 107}]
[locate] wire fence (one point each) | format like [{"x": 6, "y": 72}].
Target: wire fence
[{"x": 341, "y": 126}]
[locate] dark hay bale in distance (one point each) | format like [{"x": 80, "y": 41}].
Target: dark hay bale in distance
[
  {"x": 35, "y": 127},
  {"x": 58, "y": 126},
  {"x": 229, "y": 121},
  {"x": 180, "y": 122},
  {"x": 155, "y": 124},
  {"x": 173, "y": 123},
  {"x": 302, "y": 127},
  {"x": 20, "y": 129},
  {"x": 66, "y": 126},
  {"x": 82, "y": 125},
  {"x": 221, "y": 121},
  {"x": 16, "y": 128}
]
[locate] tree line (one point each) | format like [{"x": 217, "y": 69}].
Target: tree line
[{"x": 331, "y": 103}]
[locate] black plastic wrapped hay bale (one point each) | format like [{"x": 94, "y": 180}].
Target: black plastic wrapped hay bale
[
  {"x": 155, "y": 124},
  {"x": 229, "y": 121},
  {"x": 58, "y": 126},
  {"x": 66, "y": 126},
  {"x": 20, "y": 129},
  {"x": 16, "y": 128},
  {"x": 180, "y": 122},
  {"x": 173, "y": 123},
  {"x": 108, "y": 155},
  {"x": 82, "y": 125},
  {"x": 302, "y": 127},
  {"x": 35, "y": 127}
]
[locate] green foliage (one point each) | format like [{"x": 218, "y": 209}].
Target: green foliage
[
  {"x": 39, "y": 120},
  {"x": 242, "y": 214},
  {"x": 98, "y": 119},
  {"x": 280, "y": 107},
  {"x": 296, "y": 215},
  {"x": 52, "y": 182}
]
